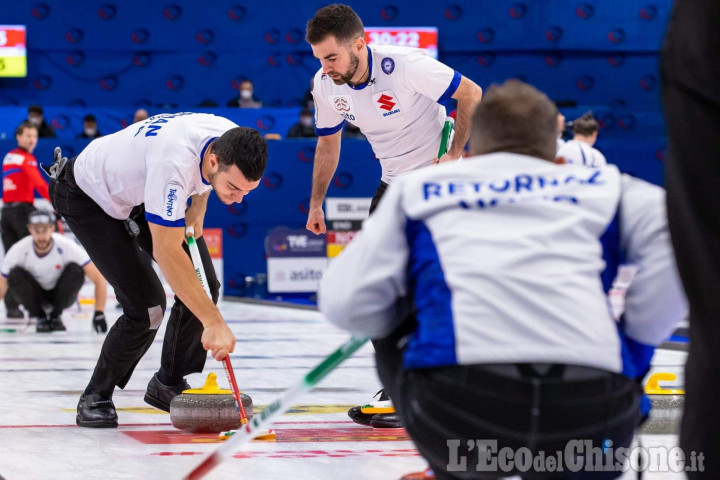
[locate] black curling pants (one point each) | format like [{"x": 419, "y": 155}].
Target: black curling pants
[
  {"x": 691, "y": 100},
  {"x": 14, "y": 223},
  {"x": 450, "y": 412},
  {"x": 126, "y": 263},
  {"x": 26, "y": 291}
]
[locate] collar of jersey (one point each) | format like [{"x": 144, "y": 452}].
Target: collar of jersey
[
  {"x": 360, "y": 87},
  {"x": 202, "y": 155}
]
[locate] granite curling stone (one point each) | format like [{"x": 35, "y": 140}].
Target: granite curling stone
[
  {"x": 209, "y": 409},
  {"x": 667, "y": 406}
]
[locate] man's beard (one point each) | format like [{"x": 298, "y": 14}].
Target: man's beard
[
  {"x": 42, "y": 247},
  {"x": 211, "y": 181},
  {"x": 352, "y": 69}
]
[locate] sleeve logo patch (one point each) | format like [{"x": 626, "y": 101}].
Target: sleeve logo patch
[
  {"x": 171, "y": 199},
  {"x": 388, "y": 65}
]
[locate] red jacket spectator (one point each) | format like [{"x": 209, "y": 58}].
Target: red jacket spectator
[{"x": 21, "y": 177}]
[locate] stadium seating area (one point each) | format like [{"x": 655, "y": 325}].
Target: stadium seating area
[{"x": 109, "y": 58}]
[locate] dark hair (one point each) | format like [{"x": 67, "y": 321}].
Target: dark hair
[
  {"x": 338, "y": 20},
  {"x": 245, "y": 148},
  {"x": 21, "y": 128},
  {"x": 35, "y": 109},
  {"x": 89, "y": 118},
  {"x": 515, "y": 117},
  {"x": 585, "y": 125}
]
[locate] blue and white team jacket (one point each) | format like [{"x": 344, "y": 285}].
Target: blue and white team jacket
[{"x": 507, "y": 258}]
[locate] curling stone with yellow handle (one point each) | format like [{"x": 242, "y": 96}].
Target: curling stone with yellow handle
[
  {"x": 667, "y": 405},
  {"x": 209, "y": 409}
]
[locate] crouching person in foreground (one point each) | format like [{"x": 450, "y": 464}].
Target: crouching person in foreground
[{"x": 485, "y": 283}]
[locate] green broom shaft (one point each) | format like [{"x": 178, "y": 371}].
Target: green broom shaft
[
  {"x": 277, "y": 407},
  {"x": 445, "y": 139}
]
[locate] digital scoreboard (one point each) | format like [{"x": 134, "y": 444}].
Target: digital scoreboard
[
  {"x": 416, "y": 37},
  {"x": 13, "y": 51}
]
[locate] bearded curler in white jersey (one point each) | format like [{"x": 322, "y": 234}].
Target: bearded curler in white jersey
[{"x": 394, "y": 95}]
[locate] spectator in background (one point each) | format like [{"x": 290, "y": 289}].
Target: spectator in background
[
  {"x": 579, "y": 150},
  {"x": 560, "y": 130},
  {"x": 208, "y": 102},
  {"x": 140, "y": 115},
  {"x": 90, "y": 128},
  {"x": 351, "y": 131},
  {"x": 307, "y": 100},
  {"x": 35, "y": 117},
  {"x": 21, "y": 178},
  {"x": 305, "y": 128},
  {"x": 246, "y": 97}
]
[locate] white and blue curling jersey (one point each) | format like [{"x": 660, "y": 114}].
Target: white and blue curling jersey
[
  {"x": 46, "y": 270},
  {"x": 399, "y": 110},
  {"x": 506, "y": 258},
  {"x": 580, "y": 153},
  {"x": 156, "y": 162}
]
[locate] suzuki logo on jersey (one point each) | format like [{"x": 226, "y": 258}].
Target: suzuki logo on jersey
[
  {"x": 343, "y": 105},
  {"x": 386, "y": 103}
]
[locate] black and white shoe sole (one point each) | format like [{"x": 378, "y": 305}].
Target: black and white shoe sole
[{"x": 95, "y": 423}]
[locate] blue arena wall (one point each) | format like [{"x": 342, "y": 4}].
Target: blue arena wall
[
  {"x": 179, "y": 54},
  {"x": 110, "y": 57}
]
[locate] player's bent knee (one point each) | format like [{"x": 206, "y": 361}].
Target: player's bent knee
[
  {"x": 17, "y": 274},
  {"x": 74, "y": 272},
  {"x": 147, "y": 310},
  {"x": 155, "y": 315}
]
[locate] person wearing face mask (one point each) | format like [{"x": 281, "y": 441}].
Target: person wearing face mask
[
  {"x": 35, "y": 117},
  {"x": 90, "y": 128},
  {"x": 21, "y": 179},
  {"x": 305, "y": 128},
  {"x": 246, "y": 97}
]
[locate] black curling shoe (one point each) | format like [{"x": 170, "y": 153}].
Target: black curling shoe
[
  {"x": 56, "y": 324},
  {"x": 160, "y": 396},
  {"x": 96, "y": 411}
]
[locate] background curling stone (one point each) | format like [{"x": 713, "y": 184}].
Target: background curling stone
[
  {"x": 667, "y": 405},
  {"x": 208, "y": 409}
]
